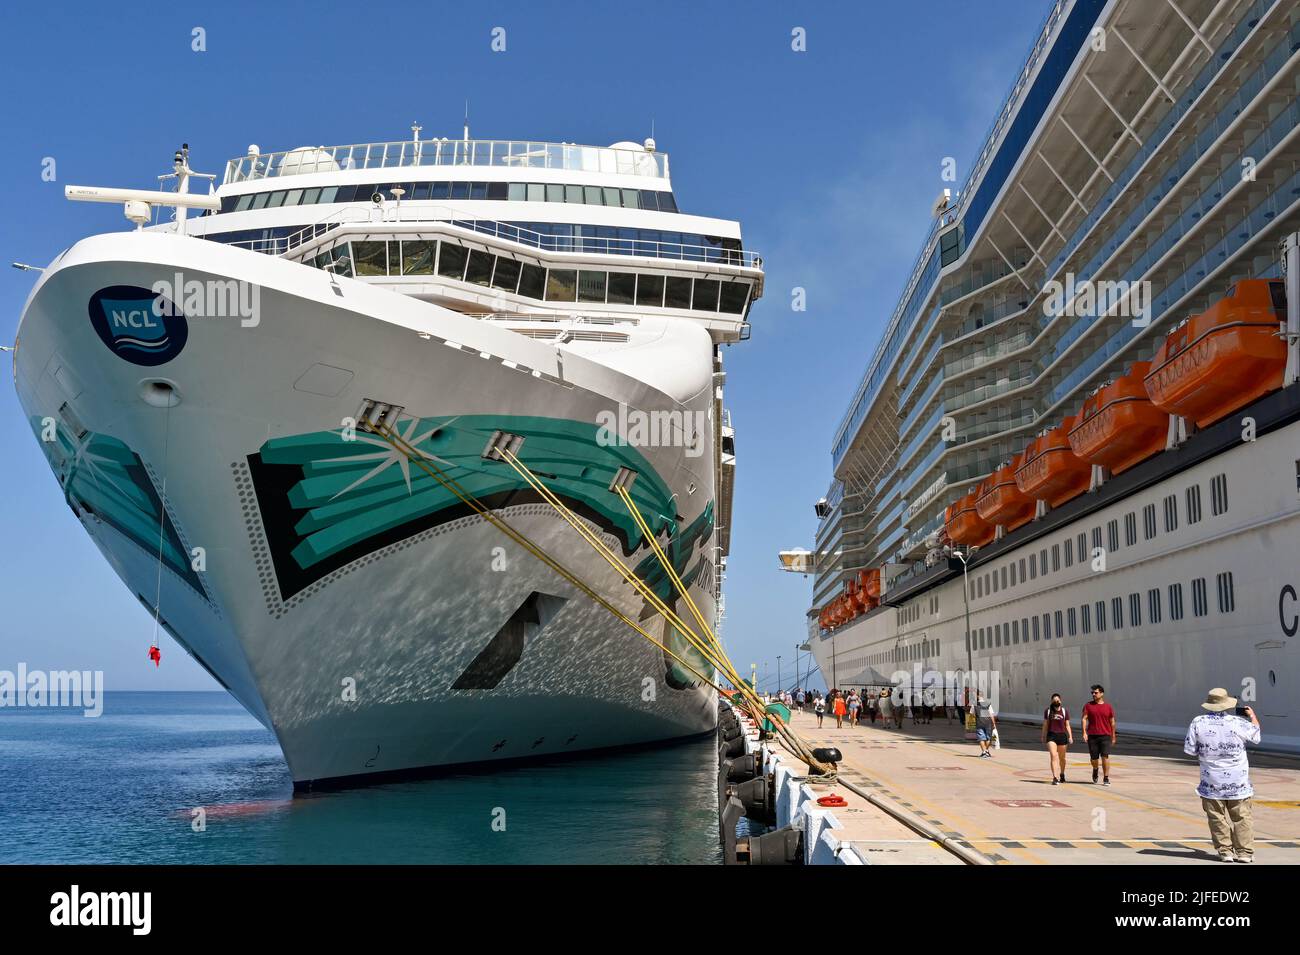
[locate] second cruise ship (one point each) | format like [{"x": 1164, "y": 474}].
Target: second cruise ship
[{"x": 1074, "y": 457}]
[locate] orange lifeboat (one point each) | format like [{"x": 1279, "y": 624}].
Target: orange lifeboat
[
  {"x": 1118, "y": 426},
  {"x": 964, "y": 525},
  {"x": 851, "y": 598},
  {"x": 1050, "y": 471},
  {"x": 871, "y": 583},
  {"x": 1224, "y": 358},
  {"x": 999, "y": 499},
  {"x": 869, "y": 588},
  {"x": 861, "y": 601}
]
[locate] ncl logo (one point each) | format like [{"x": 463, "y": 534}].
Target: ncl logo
[{"x": 139, "y": 325}]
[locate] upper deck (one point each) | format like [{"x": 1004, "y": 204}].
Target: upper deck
[{"x": 625, "y": 159}]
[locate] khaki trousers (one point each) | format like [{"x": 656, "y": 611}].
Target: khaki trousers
[{"x": 1231, "y": 825}]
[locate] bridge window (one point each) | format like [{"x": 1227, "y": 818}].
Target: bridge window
[
  {"x": 451, "y": 260},
  {"x": 370, "y": 258},
  {"x": 650, "y": 290},
  {"x": 562, "y": 285},
  {"x": 622, "y": 288},
  {"x": 417, "y": 257},
  {"x": 677, "y": 292},
  {"x": 591, "y": 286},
  {"x": 705, "y": 298},
  {"x": 506, "y": 276},
  {"x": 479, "y": 270}
]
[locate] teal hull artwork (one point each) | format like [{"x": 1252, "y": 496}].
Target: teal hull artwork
[
  {"x": 329, "y": 497},
  {"x": 100, "y": 475}
]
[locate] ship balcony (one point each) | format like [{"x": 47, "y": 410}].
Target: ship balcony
[{"x": 621, "y": 160}]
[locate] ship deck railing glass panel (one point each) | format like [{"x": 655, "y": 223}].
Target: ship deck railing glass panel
[
  {"x": 982, "y": 356},
  {"x": 1156, "y": 138},
  {"x": 979, "y": 393},
  {"x": 919, "y": 374},
  {"x": 923, "y": 402},
  {"x": 515, "y": 154}
]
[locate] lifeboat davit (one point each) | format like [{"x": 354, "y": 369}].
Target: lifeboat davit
[
  {"x": 1050, "y": 471},
  {"x": 999, "y": 499},
  {"x": 1224, "y": 358},
  {"x": 964, "y": 525},
  {"x": 1118, "y": 426}
]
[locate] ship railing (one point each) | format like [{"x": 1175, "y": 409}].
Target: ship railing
[
  {"x": 515, "y": 154},
  {"x": 441, "y": 215}
]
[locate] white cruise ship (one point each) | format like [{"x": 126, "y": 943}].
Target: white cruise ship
[
  {"x": 201, "y": 387},
  {"x": 1074, "y": 457}
]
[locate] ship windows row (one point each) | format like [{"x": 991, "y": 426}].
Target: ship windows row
[
  {"x": 649, "y": 199},
  {"x": 1116, "y": 614},
  {"x": 907, "y": 653},
  {"x": 912, "y": 612},
  {"x": 451, "y": 260},
  {"x": 1084, "y": 548}
]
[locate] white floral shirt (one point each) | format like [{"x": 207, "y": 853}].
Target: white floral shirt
[{"x": 1219, "y": 740}]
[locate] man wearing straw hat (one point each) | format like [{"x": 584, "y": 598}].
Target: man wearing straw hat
[{"x": 1217, "y": 738}]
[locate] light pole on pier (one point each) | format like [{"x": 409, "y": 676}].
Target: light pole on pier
[
  {"x": 780, "y": 687},
  {"x": 965, "y": 594}
]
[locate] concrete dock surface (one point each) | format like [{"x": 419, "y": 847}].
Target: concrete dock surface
[{"x": 1007, "y": 808}]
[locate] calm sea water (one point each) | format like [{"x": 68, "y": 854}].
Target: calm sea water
[{"x": 121, "y": 788}]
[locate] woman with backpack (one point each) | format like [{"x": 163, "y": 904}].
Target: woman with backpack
[
  {"x": 1057, "y": 736},
  {"x": 819, "y": 707}
]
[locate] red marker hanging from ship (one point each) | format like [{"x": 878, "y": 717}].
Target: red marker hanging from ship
[{"x": 155, "y": 654}]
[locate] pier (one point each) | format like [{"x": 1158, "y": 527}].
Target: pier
[{"x": 921, "y": 795}]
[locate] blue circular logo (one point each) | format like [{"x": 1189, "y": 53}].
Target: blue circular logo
[{"x": 138, "y": 324}]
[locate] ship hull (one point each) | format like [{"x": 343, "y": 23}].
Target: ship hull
[{"x": 341, "y": 594}]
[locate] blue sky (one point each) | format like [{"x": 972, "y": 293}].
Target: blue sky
[{"x": 830, "y": 159}]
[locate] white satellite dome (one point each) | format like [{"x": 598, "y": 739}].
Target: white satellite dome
[{"x": 307, "y": 159}]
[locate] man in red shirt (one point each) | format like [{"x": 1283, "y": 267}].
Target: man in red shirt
[{"x": 1099, "y": 731}]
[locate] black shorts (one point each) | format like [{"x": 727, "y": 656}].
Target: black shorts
[
  {"x": 1059, "y": 738},
  {"x": 1098, "y": 746}
]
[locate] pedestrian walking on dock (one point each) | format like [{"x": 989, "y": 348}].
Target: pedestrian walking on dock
[
  {"x": 1057, "y": 736},
  {"x": 986, "y": 724},
  {"x": 798, "y": 699},
  {"x": 1099, "y": 731},
  {"x": 855, "y": 705},
  {"x": 819, "y": 707},
  {"x": 1218, "y": 740},
  {"x": 873, "y": 705},
  {"x": 900, "y": 709},
  {"x": 886, "y": 709},
  {"x": 839, "y": 708}
]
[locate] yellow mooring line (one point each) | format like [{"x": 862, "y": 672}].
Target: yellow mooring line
[{"x": 711, "y": 650}]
